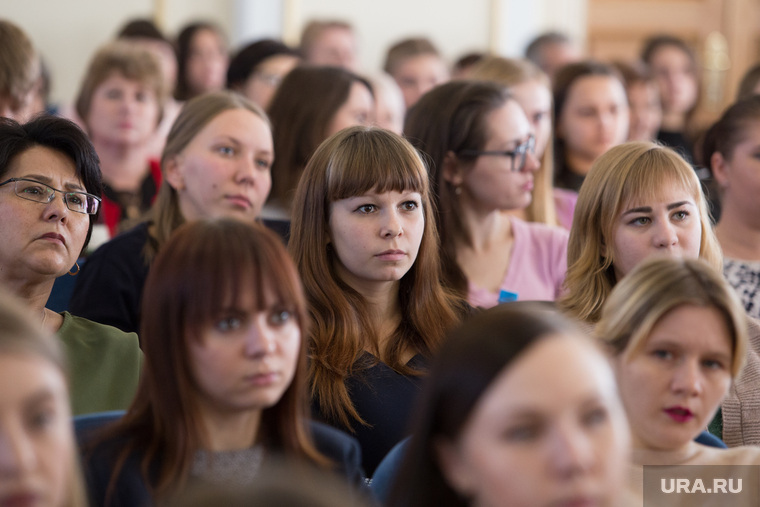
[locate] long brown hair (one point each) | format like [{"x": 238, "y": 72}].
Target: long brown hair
[
  {"x": 354, "y": 161},
  {"x": 203, "y": 264}
]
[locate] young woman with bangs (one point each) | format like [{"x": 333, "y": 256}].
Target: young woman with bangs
[
  {"x": 364, "y": 240},
  {"x": 224, "y": 384}
]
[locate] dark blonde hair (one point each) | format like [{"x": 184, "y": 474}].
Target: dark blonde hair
[
  {"x": 625, "y": 173},
  {"x": 354, "y": 161},
  {"x": 195, "y": 115},
  {"x": 206, "y": 264},
  {"x": 129, "y": 60},
  {"x": 660, "y": 285}
]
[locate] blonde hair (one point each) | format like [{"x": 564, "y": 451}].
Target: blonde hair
[
  {"x": 660, "y": 285},
  {"x": 354, "y": 161},
  {"x": 625, "y": 173},
  {"x": 510, "y": 72},
  {"x": 195, "y": 115},
  {"x": 19, "y": 335}
]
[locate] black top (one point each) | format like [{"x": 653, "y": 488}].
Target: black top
[
  {"x": 385, "y": 399},
  {"x": 109, "y": 287},
  {"x": 131, "y": 489}
]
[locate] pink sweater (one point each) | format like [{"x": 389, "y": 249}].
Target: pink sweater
[{"x": 536, "y": 269}]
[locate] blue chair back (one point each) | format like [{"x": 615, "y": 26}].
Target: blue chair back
[{"x": 386, "y": 472}]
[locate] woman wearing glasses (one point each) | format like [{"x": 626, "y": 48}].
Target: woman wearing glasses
[
  {"x": 49, "y": 180},
  {"x": 482, "y": 164}
]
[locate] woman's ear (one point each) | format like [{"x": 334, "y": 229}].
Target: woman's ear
[
  {"x": 720, "y": 169},
  {"x": 453, "y": 467},
  {"x": 173, "y": 173},
  {"x": 452, "y": 170}
]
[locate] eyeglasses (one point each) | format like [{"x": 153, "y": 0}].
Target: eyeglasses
[
  {"x": 521, "y": 150},
  {"x": 31, "y": 190}
]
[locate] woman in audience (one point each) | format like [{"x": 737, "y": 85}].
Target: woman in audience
[
  {"x": 677, "y": 336},
  {"x": 257, "y": 70},
  {"x": 417, "y": 67},
  {"x": 120, "y": 102},
  {"x": 730, "y": 149},
  {"x": 519, "y": 409},
  {"x": 49, "y": 183},
  {"x": 216, "y": 163},
  {"x": 366, "y": 246},
  {"x": 311, "y": 104},
  {"x": 532, "y": 90},
  {"x": 224, "y": 384},
  {"x": 38, "y": 458},
  {"x": 591, "y": 115},
  {"x": 676, "y": 70},
  {"x": 481, "y": 151},
  {"x": 202, "y": 60},
  {"x": 644, "y": 107},
  {"x": 639, "y": 199}
]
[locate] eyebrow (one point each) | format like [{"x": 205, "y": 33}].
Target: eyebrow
[
  {"x": 47, "y": 180},
  {"x": 648, "y": 209},
  {"x": 238, "y": 142}
]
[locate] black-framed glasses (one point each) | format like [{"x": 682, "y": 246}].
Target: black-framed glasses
[
  {"x": 32, "y": 190},
  {"x": 521, "y": 151}
]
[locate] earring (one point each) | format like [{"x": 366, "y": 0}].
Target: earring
[
  {"x": 457, "y": 190},
  {"x": 75, "y": 273}
]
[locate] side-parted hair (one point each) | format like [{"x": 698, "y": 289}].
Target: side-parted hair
[
  {"x": 511, "y": 72},
  {"x": 352, "y": 162},
  {"x": 19, "y": 335},
  {"x": 471, "y": 358},
  {"x": 446, "y": 120},
  {"x": 19, "y": 65},
  {"x": 660, "y": 285},
  {"x": 624, "y": 174},
  {"x": 184, "y": 48},
  {"x": 405, "y": 49},
  {"x": 132, "y": 62},
  {"x": 194, "y": 116},
  {"x": 300, "y": 112},
  {"x": 57, "y": 134},
  {"x": 205, "y": 265}
]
